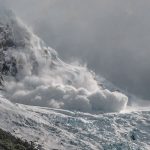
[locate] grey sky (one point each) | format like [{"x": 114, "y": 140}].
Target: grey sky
[{"x": 112, "y": 36}]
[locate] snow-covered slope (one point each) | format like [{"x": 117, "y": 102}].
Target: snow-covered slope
[{"x": 68, "y": 130}]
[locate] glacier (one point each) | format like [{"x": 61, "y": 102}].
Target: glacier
[{"x": 72, "y": 130}]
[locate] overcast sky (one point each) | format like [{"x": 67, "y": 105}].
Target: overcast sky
[{"x": 112, "y": 36}]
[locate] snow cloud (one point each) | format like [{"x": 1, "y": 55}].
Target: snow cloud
[
  {"x": 111, "y": 36},
  {"x": 43, "y": 79},
  {"x": 35, "y": 91}
]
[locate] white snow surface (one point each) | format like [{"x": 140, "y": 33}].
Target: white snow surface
[{"x": 70, "y": 130}]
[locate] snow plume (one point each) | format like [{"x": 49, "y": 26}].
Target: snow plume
[{"x": 41, "y": 78}]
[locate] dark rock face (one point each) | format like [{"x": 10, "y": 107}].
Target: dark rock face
[
  {"x": 9, "y": 67},
  {"x": 7, "y": 64},
  {"x": 6, "y": 37},
  {"x": 9, "y": 142}
]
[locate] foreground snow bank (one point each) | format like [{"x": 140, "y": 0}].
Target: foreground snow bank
[{"x": 61, "y": 129}]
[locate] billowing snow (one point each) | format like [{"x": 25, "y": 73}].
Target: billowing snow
[{"x": 35, "y": 75}]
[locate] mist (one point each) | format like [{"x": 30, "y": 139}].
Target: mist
[{"x": 112, "y": 37}]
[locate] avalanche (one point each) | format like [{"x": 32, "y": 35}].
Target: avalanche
[
  {"x": 66, "y": 98},
  {"x": 35, "y": 75}
]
